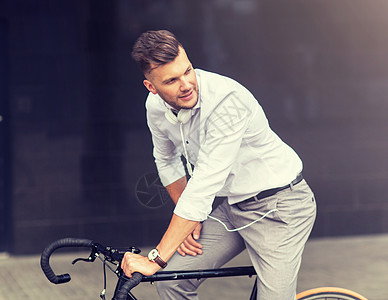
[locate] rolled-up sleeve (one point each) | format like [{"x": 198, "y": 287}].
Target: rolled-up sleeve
[{"x": 167, "y": 159}]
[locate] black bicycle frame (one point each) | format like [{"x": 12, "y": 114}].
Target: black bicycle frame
[
  {"x": 125, "y": 284},
  {"x": 195, "y": 274}
]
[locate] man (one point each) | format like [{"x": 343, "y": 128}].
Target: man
[{"x": 220, "y": 128}]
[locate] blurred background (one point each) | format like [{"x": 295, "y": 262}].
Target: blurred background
[{"x": 76, "y": 155}]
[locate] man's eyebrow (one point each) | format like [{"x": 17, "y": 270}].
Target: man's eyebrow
[
  {"x": 168, "y": 79},
  {"x": 175, "y": 77}
]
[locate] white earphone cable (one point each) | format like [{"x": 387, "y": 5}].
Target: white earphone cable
[
  {"x": 190, "y": 171},
  {"x": 188, "y": 165},
  {"x": 245, "y": 226}
]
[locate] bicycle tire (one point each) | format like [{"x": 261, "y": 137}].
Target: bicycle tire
[{"x": 329, "y": 293}]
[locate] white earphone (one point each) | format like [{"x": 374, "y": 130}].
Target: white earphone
[{"x": 183, "y": 116}]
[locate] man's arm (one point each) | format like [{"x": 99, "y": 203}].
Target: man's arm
[
  {"x": 176, "y": 188},
  {"x": 190, "y": 245},
  {"x": 178, "y": 237},
  {"x": 176, "y": 233}
]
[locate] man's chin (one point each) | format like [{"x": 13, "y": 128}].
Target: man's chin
[{"x": 188, "y": 104}]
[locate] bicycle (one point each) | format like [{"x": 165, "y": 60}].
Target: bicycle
[{"x": 111, "y": 258}]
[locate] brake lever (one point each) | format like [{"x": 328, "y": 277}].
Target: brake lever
[
  {"x": 91, "y": 258},
  {"x": 110, "y": 254},
  {"x": 131, "y": 249}
]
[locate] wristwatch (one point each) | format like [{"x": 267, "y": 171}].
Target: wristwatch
[{"x": 154, "y": 256}]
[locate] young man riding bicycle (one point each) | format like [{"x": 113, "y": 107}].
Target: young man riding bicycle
[{"x": 222, "y": 131}]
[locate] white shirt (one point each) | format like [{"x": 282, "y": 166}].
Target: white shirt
[{"x": 228, "y": 140}]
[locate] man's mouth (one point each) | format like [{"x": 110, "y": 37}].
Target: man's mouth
[{"x": 187, "y": 96}]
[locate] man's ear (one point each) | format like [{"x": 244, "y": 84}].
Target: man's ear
[{"x": 148, "y": 84}]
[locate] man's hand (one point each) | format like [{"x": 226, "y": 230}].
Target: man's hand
[
  {"x": 137, "y": 263},
  {"x": 190, "y": 246}
]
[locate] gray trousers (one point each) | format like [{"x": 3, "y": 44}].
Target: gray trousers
[{"x": 274, "y": 244}]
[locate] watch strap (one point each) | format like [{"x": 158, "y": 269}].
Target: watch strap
[
  {"x": 154, "y": 256},
  {"x": 160, "y": 262}
]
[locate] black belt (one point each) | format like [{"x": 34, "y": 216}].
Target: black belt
[{"x": 271, "y": 192}]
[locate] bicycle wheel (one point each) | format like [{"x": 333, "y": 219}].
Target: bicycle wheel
[{"x": 329, "y": 293}]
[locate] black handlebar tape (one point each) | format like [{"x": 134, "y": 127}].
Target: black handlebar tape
[
  {"x": 62, "y": 243},
  {"x": 122, "y": 294}
]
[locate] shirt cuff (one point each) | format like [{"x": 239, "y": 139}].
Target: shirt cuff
[
  {"x": 171, "y": 174},
  {"x": 191, "y": 212}
]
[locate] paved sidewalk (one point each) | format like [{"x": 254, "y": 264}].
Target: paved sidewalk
[{"x": 358, "y": 263}]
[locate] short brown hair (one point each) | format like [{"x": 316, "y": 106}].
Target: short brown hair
[{"x": 155, "y": 47}]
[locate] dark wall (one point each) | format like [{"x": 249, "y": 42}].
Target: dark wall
[
  {"x": 5, "y": 187},
  {"x": 81, "y": 153}
]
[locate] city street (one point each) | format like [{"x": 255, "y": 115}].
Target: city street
[{"x": 359, "y": 263}]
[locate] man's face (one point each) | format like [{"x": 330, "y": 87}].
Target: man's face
[{"x": 175, "y": 82}]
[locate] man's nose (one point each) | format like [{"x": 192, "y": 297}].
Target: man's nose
[{"x": 185, "y": 84}]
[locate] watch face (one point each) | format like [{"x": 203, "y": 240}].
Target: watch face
[{"x": 153, "y": 254}]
